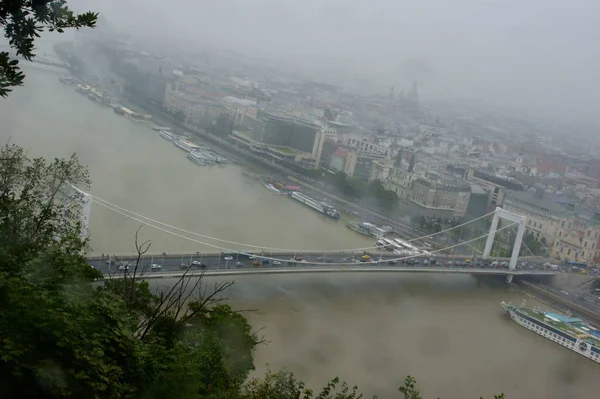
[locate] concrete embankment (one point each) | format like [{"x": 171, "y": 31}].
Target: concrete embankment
[{"x": 554, "y": 299}]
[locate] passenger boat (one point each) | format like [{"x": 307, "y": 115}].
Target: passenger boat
[
  {"x": 166, "y": 135},
  {"x": 569, "y": 332},
  {"x": 196, "y": 158},
  {"x": 187, "y": 145}
]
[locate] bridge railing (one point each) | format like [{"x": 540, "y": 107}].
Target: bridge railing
[
  {"x": 288, "y": 255},
  {"x": 344, "y": 269}
]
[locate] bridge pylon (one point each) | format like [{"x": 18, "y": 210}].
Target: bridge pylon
[
  {"x": 85, "y": 201},
  {"x": 500, "y": 213}
]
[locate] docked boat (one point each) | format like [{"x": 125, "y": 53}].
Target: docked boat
[
  {"x": 271, "y": 187},
  {"x": 187, "y": 145},
  {"x": 196, "y": 158},
  {"x": 209, "y": 157},
  {"x": 82, "y": 88},
  {"x": 572, "y": 333},
  {"x": 359, "y": 228},
  {"x": 166, "y": 135},
  {"x": 319, "y": 206},
  {"x": 69, "y": 80}
]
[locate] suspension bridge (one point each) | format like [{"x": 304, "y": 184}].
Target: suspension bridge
[{"x": 456, "y": 250}]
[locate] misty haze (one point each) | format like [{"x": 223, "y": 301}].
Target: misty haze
[{"x": 396, "y": 188}]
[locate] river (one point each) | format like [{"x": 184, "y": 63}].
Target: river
[
  {"x": 134, "y": 168},
  {"x": 448, "y": 330}
]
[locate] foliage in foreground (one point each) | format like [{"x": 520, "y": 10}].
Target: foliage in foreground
[
  {"x": 22, "y": 22},
  {"x": 283, "y": 385},
  {"x": 64, "y": 333}
]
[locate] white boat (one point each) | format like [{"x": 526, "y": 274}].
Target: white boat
[
  {"x": 187, "y": 145},
  {"x": 571, "y": 333},
  {"x": 166, "y": 135},
  {"x": 272, "y": 188},
  {"x": 319, "y": 206},
  {"x": 209, "y": 157},
  {"x": 196, "y": 158},
  {"x": 82, "y": 88}
]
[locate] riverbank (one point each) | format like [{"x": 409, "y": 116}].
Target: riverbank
[{"x": 250, "y": 160}]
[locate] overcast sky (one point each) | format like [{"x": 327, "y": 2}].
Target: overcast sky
[{"x": 542, "y": 55}]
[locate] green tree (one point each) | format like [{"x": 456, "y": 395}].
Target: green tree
[
  {"x": 64, "y": 334},
  {"x": 63, "y": 337},
  {"x": 283, "y": 385},
  {"x": 59, "y": 337},
  {"x": 22, "y": 22}
]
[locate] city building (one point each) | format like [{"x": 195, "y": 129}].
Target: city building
[
  {"x": 478, "y": 202},
  {"x": 495, "y": 192},
  {"x": 337, "y": 158},
  {"x": 580, "y": 245},
  {"x": 193, "y": 103},
  {"x": 362, "y": 144},
  {"x": 439, "y": 196},
  {"x": 242, "y": 112},
  {"x": 380, "y": 170},
  {"x": 282, "y": 130},
  {"x": 544, "y": 217}
]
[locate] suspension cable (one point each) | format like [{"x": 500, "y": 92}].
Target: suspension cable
[
  {"x": 101, "y": 201},
  {"x": 279, "y": 259}
]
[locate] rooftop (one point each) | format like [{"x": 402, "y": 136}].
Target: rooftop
[
  {"x": 563, "y": 319},
  {"x": 530, "y": 199}
]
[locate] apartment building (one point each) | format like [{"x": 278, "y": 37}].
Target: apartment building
[
  {"x": 438, "y": 196},
  {"x": 194, "y": 104},
  {"x": 380, "y": 170},
  {"x": 362, "y": 144},
  {"x": 544, "y": 217},
  {"x": 578, "y": 245}
]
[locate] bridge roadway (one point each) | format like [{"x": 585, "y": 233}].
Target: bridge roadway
[
  {"x": 351, "y": 268},
  {"x": 216, "y": 264}
]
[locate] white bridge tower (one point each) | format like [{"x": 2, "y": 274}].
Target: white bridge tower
[
  {"x": 521, "y": 221},
  {"x": 85, "y": 201}
]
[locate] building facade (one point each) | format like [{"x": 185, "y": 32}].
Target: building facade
[
  {"x": 577, "y": 244},
  {"x": 544, "y": 217},
  {"x": 441, "y": 197}
]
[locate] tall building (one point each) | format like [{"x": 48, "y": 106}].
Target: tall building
[{"x": 296, "y": 133}]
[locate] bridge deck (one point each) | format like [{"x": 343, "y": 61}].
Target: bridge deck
[{"x": 350, "y": 269}]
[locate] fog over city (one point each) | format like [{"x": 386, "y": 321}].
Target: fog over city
[
  {"x": 397, "y": 188},
  {"x": 537, "y": 56}
]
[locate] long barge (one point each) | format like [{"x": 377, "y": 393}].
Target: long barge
[{"x": 322, "y": 207}]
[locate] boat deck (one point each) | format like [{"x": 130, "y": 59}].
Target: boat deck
[{"x": 567, "y": 328}]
